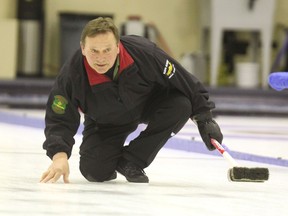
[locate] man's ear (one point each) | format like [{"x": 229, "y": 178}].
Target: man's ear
[
  {"x": 82, "y": 48},
  {"x": 118, "y": 48}
]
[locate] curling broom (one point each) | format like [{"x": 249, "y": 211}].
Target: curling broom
[{"x": 241, "y": 174}]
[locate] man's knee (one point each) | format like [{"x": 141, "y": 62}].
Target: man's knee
[{"x": 96, "y": 172}]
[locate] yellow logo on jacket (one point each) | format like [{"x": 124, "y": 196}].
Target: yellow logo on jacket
[{"x": 169, "y": 69}]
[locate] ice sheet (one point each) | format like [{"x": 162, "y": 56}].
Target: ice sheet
[{"x": 181, "y": 183}]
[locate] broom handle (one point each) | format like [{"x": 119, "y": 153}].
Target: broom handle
[{"x": 224, "y": 153}]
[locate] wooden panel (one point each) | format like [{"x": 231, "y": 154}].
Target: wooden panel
[{"x": 8, "y": 48}]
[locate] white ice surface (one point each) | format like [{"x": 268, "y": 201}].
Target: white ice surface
[{"x": 181, "y": 183}]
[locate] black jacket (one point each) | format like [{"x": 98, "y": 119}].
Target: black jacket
[{"x": 144, "y": 71}]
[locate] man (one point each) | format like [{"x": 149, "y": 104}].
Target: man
[{"x": 118, "y": 84}]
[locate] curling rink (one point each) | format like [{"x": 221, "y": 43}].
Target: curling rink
[{"x": 185, "y": 179}]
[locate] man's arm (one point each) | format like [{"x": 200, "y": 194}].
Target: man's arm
[{"x": 174, "y": 76}]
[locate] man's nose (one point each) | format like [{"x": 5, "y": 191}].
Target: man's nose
[{"x": 100, "y": 57}]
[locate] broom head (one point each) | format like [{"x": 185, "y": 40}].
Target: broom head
[{"x": 245, "y": 174}]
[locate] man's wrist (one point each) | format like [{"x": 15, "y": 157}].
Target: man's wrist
[
  {"x": 60, "y": 155},
  {"x": 202, "y": 117}
]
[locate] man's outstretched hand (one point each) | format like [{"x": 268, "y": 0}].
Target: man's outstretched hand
[{"x": 58, "y": 168}]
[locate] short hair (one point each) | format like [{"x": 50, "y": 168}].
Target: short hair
[{"x": 99, "y": 25}]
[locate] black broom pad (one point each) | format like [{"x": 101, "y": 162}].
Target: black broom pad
[{"x": 245, "y": 174}]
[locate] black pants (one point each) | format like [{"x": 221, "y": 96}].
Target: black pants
[{"x": 164, "y": 118}]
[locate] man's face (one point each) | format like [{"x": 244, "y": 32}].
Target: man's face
[{"x": 101, "y": 51}]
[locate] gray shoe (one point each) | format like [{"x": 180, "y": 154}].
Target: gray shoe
[{"x": 132, "y": 172}]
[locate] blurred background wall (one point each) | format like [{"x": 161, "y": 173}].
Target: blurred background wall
[{"x": 177, "y": 20}]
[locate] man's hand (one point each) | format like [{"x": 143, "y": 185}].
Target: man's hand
[
  {"x": 208, "y": 128},
  {"x": 59, "y": 167}
]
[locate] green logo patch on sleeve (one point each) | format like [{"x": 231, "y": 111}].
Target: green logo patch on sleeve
[{"x": 59, "y": 104}]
